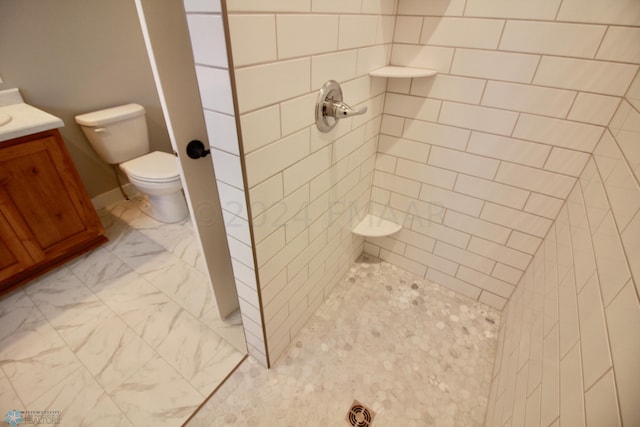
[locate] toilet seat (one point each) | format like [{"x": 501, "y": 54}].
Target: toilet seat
[{"x": 156, "y": 166}]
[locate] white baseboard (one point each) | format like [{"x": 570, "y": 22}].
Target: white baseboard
[{"x": 113, "y": 196}]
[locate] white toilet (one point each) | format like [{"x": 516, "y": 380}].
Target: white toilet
[{"x": 119, "y": 136}]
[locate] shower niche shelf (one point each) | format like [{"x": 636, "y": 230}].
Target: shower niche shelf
[
  {"x": 374, "y": 226},
  {"x": 398, "y": 72}
]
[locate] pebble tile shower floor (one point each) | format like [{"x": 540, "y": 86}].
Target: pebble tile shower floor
[{"x": 414, "y": 352}]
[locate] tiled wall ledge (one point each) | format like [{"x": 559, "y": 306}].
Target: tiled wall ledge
[{"x": 401, "y": 72}]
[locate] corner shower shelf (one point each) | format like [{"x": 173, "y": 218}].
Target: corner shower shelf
[
  {"x": 394, "y": 71},
  {"x": 374, "y": 226}
]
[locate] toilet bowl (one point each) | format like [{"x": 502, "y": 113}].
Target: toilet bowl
[
  {"x": 119, "y": 136},
  {"x": 156, "y": 175}
]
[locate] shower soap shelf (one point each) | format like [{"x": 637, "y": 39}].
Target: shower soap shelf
[
  {"x": 403, "y": 72},
  {"x": 374, "y": 226}
]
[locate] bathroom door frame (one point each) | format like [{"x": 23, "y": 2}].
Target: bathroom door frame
[{"x": 165, "y": 32}]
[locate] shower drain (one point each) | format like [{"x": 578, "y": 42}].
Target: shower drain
[{"x": 359, "y": 415}]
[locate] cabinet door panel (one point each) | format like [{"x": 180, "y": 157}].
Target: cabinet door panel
[
  {"x": 13, "y": 256},
  {"x": 39, "y": 181},
  {"x": 46, "y": 216},
  {"x": 37, "y": 191}
]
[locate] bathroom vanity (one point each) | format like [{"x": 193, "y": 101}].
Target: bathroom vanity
[{"x": 46, "y": 216}]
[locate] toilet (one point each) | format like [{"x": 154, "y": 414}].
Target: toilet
[{"x": 119, "y": 136}]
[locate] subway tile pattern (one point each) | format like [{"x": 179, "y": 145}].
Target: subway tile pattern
[
  {"x": 475, "y": 162},
  {"x": 568, "y": 347},
  {"x": 482, "y": 156},
  {"x": 208, "y": 42},
  {"x": 307, "y": 189},
  {"x": 125, "y": 335}
]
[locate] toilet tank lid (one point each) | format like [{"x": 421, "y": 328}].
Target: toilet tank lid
[{"x": 110, "y": 115}]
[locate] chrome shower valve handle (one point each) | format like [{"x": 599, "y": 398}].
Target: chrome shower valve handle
[
  {"x": 330, "y": 108},
  {"x": 340, "y": 110}
]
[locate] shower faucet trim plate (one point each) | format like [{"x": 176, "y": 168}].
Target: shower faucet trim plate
[{"x": 330, "y": 108}]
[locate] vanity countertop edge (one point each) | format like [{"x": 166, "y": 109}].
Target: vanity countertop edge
[{"x": 25, "y": 119}]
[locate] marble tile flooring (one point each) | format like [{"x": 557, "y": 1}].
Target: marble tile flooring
[
  {"x": 416, "y": 353},
  {"x": 128, "y": 334}
]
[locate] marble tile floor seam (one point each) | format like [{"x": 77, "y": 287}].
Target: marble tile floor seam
[
  {"x": 129, "y": 212},
  {"x": 70, "y": 329},
  {"x": 153, "y": 230},
  {"x": 164, "y": 277},
  {"x": 171, "y": 236},
  {"x": 207, "y": 333},
  {"x": 181, "y": 302},
  {"x": 194, "y": 285},
  {"x": 204, "y": 393},
  {"x": 184, "y": 246},
  {"x": 100, "y": 339},
  {"x": 74, "y": 366},
  {"x": 135, "y": 286},
  {"x": 128, "y": 386}
]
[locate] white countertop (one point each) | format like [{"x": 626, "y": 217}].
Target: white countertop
[{"x": 25, "y": 119}]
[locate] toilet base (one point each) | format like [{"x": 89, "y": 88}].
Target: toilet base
[{"x": 167, "y": 208}]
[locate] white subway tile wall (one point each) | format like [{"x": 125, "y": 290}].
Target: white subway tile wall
[
  {"x": 206, "y": 31},
  {"x": 568, "y": 348},
  {"x": 308, "y": 189},
  {"x": 476, "y": 162},
  {"x": 525, "y": 91}
]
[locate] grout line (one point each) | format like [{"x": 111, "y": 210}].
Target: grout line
[
  {"x": 507, "y": 82},
  {"x": 224, "y": 380},
  {"x": 493, "y": 181},
  {"x": 540, "y": 53},
  {"x": 626, "y": 95},
  {"x": 535, "y": 73},
  {"x": 624, "y": 159},
  {"x": 464, "y": 9},
  {"x": 421, "y": 32},
  {"x": 4, "y": 375},
  {"x": 596, "y": 275},
  {"x": 573, "y": 103},
  {"x": 574, "y": 289},
  {"x": 555, "y": 18},
  {"x": 615, "y": 220},
  {"x": 604, "y": 36},
  {"x": 502, "y": 31},
  {"x": 66, "y": 344}
]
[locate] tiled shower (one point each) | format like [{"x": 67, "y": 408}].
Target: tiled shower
[{"x": 514, "y": 173}]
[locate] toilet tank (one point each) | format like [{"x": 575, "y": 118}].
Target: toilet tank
[{"x": 117, "y": 134}]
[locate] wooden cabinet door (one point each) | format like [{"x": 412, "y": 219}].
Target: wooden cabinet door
[
  {"x": 40, "y": 182},
  {"x": 14, "y": 257},
  {"x": 44, "y": 204}
]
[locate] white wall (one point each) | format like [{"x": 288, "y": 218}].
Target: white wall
[
  {"x": 477, "y": 161},
  {"x": 569, "y": 348},
  {"x": 307, "y": 189},
  {"x": 75, "y": 56}
]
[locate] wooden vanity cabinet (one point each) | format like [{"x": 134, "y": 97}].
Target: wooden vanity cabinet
[{"x": 46, "y": 216}]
